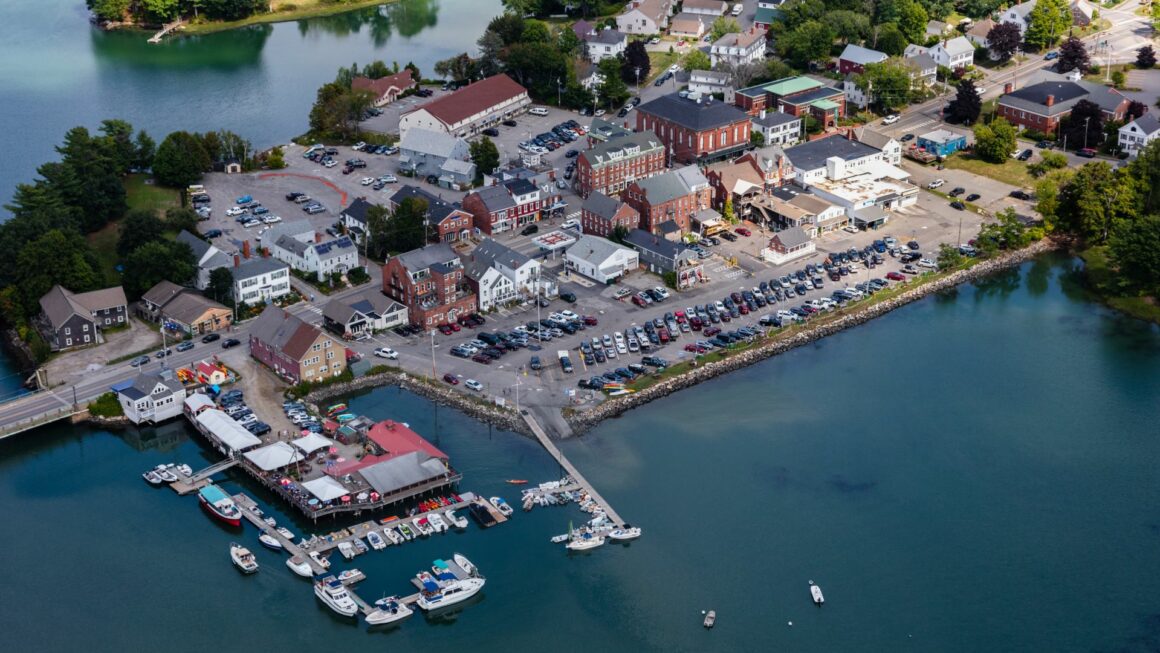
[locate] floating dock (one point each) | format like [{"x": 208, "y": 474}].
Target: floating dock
[{"x": 250, "y": 511}]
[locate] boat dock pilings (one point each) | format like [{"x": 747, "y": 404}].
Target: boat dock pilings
[{"x": 578, "y": 478}]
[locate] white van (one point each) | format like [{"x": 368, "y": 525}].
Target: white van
[{"x": 538, "y": 111}]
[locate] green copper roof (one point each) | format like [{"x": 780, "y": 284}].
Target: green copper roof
[
  {"x": 825, "y": 105},
  {"x": 791, "y": 85}
]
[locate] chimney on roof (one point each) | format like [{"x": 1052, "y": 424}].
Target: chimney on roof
[
  {"x": 763, "y": 113},
  {"x": 1050, "y": 100},
  {"x": 1008, "y": 87},
  {"x": 246, "y": 248},
  {"x": 237, "y": 261}
]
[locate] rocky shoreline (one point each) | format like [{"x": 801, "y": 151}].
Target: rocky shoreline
[
  {"x": 505, "y": 418},
  {"x": 583, "y": 420}
]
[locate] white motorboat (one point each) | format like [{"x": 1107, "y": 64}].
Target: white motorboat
[
  {"x": 286, "y": 533},
  {"x": 450, "y": 593},
  {"x": 393, "y": 535},
  {"x": 166, "y": 472},
  {"x": 351, "y": 576},
  {"x": 501, "y": 506},
  {"x": 584, "y": 542},
  {"x": 321, "y": 560},
  {"x": 185, "y": 469},
  {"x": 300, "y": 567},
  {"x": 347, "y": 550},
  {"x": 436, "y": 522},
  {"x": 406, "y": 532},
  {"x": 332, "y": 592},
  {"x": 560, "y": 539},
  {"x": 456, "y": 520},
  {"x": 622, "y": 534},
  {"x": 152, "y": 477},
  {"x": 360, "y": 547},
  {"x": 270, "y": 542},
  {"x": 388, "y": 610},
  {"x": 270, "y": 521},
  {"x": 421, "y": 525},
  {"x": 465, "y": 564},
  {"x": 376, "y": 540},
  {"x": 816, "y": 593},
  {"x": 242, "y": 558}
]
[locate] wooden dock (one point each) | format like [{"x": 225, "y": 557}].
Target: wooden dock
[
  {"x": 581, "y": 483},
  {"x": 330, "y": 542},
  {"x": 249, "y": 511},
  {"x": 166, "y": 29},
  {"x": 208, "y": 471}
]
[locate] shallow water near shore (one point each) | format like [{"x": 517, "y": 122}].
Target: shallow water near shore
[{"x": 973, "y": 472}]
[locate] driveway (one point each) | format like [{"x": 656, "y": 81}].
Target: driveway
[{"x": 71, "y": 366}]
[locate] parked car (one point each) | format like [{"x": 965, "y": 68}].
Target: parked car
[
  {"x": 210, "y": 337},
  {"x": 958, "y": 206},
  {"x": 387, "y": 352},
  {"x": 1024, "y": 155},
  {"x": 891, "y": 119},
  {"x": 935, "y": 183},
  {"x": 529, "y": 230},
  {"x": 1086, "y": 152},
  {"x": 230, "y": 342},
  {"x": 185, "y": 346},
  {"x": 568, "y": 297},
  {"x": 973, "y": 197},
  {"x": 957, "y": 191},
  {"x": 139, "y": 361},
  {"x": 1020, "y": 195},
  {"x": 451, "y": 378}
]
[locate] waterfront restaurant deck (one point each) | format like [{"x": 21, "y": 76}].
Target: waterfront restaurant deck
[{"x": 379, "y": 465}]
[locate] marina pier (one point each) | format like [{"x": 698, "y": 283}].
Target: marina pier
[{"x": 578, "y": 481}]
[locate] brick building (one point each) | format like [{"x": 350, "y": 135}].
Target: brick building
[
  {"x": 695, "y": 130},
  {"x": 601, "y": 215},
  {"x": 797, "y": 96},
  {"x": 1042, "y": 106},
  {"x": 293, "y": 349},
  {"x": 610, "y": 166},
  {"x": 446, "y": 222},
  {"x": 674, "y": 196},
  {"x": 505, "y": 206},
  {"x": 430, "y": 283}
]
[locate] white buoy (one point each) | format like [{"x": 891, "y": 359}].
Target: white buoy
[{"x": 791, "y": 624}]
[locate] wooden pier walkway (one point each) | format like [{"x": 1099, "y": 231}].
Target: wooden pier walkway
[
  {"x": 166, "y": 29},
  {"x": 573, "y": 473},
  {"x": 210, "y": 471},
  {"x": 249, "y": 510}
]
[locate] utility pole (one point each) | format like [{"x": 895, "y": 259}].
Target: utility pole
[
  {"x": 1085, "y": 131},
  {"x": 637, "y": 69},
  {"x": 559, "y": 92},
  {"x": 432, "y": 354}
]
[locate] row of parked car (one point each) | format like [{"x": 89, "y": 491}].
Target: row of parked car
[
  {"x": 296, "y": 412},
  {"x": 563, "y": 133},
  {"x": 233, "y": 404}
]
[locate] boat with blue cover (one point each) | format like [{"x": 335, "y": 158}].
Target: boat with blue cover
[{"x": 220, "y": 505}]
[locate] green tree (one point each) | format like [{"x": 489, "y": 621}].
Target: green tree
[
  {"x": 88, "y": 177},
  {"x": 636, "y": 65},
  {"x": 1096, "y": 201},
  {"x": 1145, "y": 57},
  {"x": 536, "y": 31},
  {"x": 538, "y": 66},
  {"x": 1084, "y": 127},
  {"x": 1047, "y": 196},
  {"x": 402, "y": 231},
  {"x": 912, "y": 20},
  {"x": 377, "y": 70},
  {"x": 890, "y": 40},
  {"x": 1049, "y": 161},
  {"x": 180, "y": 160},
  {"x": 509, "y": 28},
  {"x": 723, "y": 25},
  {"x": 73, "y": 266},
  {"x": 1073, "y": 55},
  {"x": 756, "y": 139},
  {"x": 138, "y": 227},
  {"x": 967, "y": 105},
  {"x": 980, "y": 8},
  {"x": 118, "y": 143},
  {"x": 155, "y": 262},
  {"x": 180, "y": 218},
  {"x": 612, "y": 88},
  {"x": 491, "y": 47},
  {"x": 276, "y": 160},
  {"x": 887, "y": 84},
  {"x": 849, "y": 26},
  {"x": 164, "y": 10},
  {"x": 1146, "y": 171},
  {"x": 144, "y": 150},
  {"x": 1118, "y": 78},
  {"x": 696, "y": 60},
  {"x": 456, "y": 68},
  {"x": 797, "y": 12},
  {"x": 109, "y": 10},
  {"x": 570, "y": 44},
  {"x": 995, "y": 142},
  {"x": 811, "y": 41},
  {"x": 948, "y": 256},
  {"x": 221, "y": 284},
  {"x": 1135, "y": 250},
  {"x": 520, "y": 8},
  {"x": 1047, "y": 22},
  {"x": 485, "y": 155}
]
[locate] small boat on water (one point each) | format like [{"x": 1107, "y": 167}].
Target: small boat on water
[
  {"x": 166, "y": 472},
  {"x": 436, "y": 522},
  {"x": 185, "y": 469},
  {"x": 360, "y": 547},
  {"x": 393, "y": 536},
  {"x": 388, "y": 610},
  {"x": 584, "y": 542},
  {"x": 422, "y": 526},
  {"x": 351, "y": 576},
  {"x": 243, "y": 559},
  {"x": 300, "y": 567},
  {"x": 452, "y": 592},
  {"x": 270, "y": 542},
  {"x": 560, "y": 539},
  {"x": 344, "y": 418},
  {"x": 501, "y": 506},
  {"x": 347, "y": 550},
  {"x": 455, "y": 520},
  {"x": 331, "y": 591},
  {"x": 376, "y": 540},
  {"x": 319, "y": 559},
  {"x": 465, "y": 564},
  {"x": 529, "y": 501},
  {"x": 623, "y": 534},
  {"x": 152, "y": 477},
  {"x": 270, "y": 521},
  {"x": 408, "y": 534},
  {"x": 286, "y": 533},
  {"x": 219, "y": 504},
  {"x": 816, "y": 593},
  {"x": 517, "y": 481},
  {"x": 710, "y": 618}
]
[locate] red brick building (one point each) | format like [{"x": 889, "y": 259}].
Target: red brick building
[
  {"x": 1042, "y": 106},
  {"x": 430, "y": 283},
  {"x": 446, "y": 222},
  {"x": 674, "y": 196},
  {"x": 600, "y": 215},
  {"x": 610, "y": 166},
  {"x": 797, "y": 96},
  {"x": 506, "y": 206},
  {"x": 695, "y": 130}
]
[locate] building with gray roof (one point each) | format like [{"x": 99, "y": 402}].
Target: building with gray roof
[
  {"x": 151, "y": 397},
  {"x": 70, "y": 319},
  {"x": 1042, "y": 106}
]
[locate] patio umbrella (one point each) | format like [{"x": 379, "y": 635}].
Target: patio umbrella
[
  {"x": 313, "y": 502},
  {"x": 374, "y": 496},
  {"x": 346, "y": 498},
  {"x": 362, "y": 496},
  {"x": 285, "y": 481}
]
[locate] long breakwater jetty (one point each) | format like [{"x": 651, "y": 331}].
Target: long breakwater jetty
[{"x": 578, "y": 481}]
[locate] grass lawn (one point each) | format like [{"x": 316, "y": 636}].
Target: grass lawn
[
  {"x": 1102, "y": 283},
  {"x": 1008, "y": 172},
  {"x": 143, "y": 195},
  {"x": 659, "y": 62},
  {"x": 281, "y": 11},
  {"x": 104, "y": 244}
]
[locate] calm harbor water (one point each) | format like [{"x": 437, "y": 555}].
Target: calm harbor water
[
  {"x": 974, "y": 472},
  {"x": 260, "y": 81}
]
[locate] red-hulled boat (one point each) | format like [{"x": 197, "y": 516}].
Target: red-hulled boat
[{"x": 220, "y": 505}]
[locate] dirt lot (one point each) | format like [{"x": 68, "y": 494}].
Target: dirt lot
[{"x": 71, "y": 366}]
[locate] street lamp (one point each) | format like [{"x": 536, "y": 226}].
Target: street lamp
[
  {"x": 559, "y": 92},
  {"x": 1085, "y": 131},
  {"x": 637, "y": 69}
]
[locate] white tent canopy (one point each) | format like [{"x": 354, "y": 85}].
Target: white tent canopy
[
  {"x": 273, "y": 456},
  {"x": 325, "y": 488},
  {"x": 223, "y": 428},
  {"x": 197, "y": 401},
  {"x": 311, "y": 443}
]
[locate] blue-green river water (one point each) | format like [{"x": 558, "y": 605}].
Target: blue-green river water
[{"x": 973, "y": 472}]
